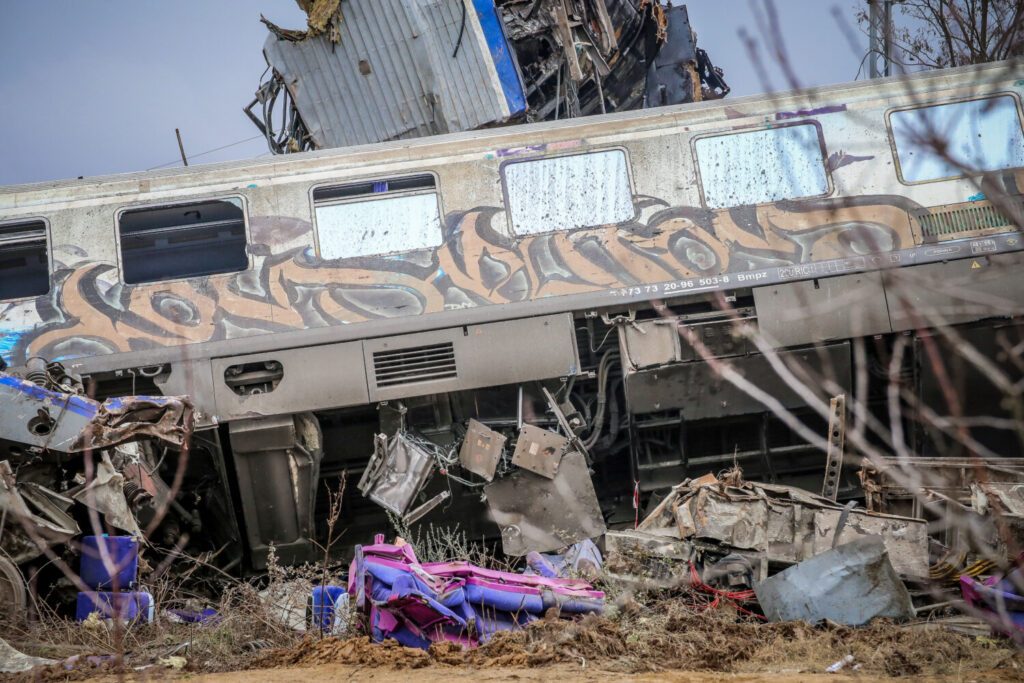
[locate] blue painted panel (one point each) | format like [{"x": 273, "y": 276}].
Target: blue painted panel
[
  {"x": 502, "y": 55},
  {"x": 73, "y": 404}
]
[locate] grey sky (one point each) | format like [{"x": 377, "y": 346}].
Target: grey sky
[{"x": 89, "y": 87}]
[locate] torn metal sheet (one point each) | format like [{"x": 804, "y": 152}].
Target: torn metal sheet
[
  {"x": 398, "y": 470},
  {"x": 851, "y": 584},
  {"x": 394, "y": 72},
  {"x": 105, "y": 494},
  {"x": 672, "y": 77},
  {"x": 545, "y": 515},
  {"x": 118, "y": 420},
  {"x": 42, "y": 418},
  {"x": 640, "y": 558},
  {"x": 481, "y": 450},
  {"x": 59, "y": 421},
  {"x": 974, "y": 497},
  {"x": 539, "y": 450},
  {"x": 636, "y": 558},
  {"x": 786, "y": 523},
  {"x": 25, "y": 526}
]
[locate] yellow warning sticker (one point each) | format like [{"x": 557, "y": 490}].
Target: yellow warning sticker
[{"x": 975, "y": 264}]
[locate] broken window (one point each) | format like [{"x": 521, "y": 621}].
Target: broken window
[
  {"x": 949, "y": 140},
  {"x": 24, "y": 266},
  {"x": 377, "y": 217},
  {"x": 562, "y": 193},
  {"x": 182, "y": 240},
  {"x": 761, "y": 166}
]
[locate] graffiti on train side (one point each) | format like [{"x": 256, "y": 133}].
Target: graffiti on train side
[{"x": 89, "y": 312}]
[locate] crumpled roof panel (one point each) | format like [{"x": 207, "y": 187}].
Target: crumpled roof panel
[{"x": 392, "y": 74}]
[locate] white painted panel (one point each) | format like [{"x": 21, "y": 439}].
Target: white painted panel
[
  {"x": 562, "y": 193},
  {"x": 761, "y": 166},
  {"x": 979, "y": 135},
  {"x": 379, "y": 226}
]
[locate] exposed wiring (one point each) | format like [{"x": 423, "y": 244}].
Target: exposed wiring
[
  {"x": 734, "y": 597},
  {"x": 603, "y": 369},
  {"x": 444, "y": 458},
  {"x": 462, "y": 29}
]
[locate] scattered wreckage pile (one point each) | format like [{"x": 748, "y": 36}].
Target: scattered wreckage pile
[
  {"x": 78, "y": 464},
  {"x": 444, "y": 67},
  {"x": 774, "y": 553}
]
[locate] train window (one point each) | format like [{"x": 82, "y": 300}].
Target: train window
[
  {"x": 182, "y": 240},
  {"x": 377, "y": 217},
  {"x": 562, "y": 193},
  {"x": 24, "y": 266},
  {"x": 761, "y": 166},
  {"x": 949, "y": 140}
]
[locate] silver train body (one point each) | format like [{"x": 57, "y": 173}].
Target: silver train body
[{"x": 300, "y": 300}]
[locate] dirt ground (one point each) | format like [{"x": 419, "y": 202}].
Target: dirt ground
[
  {"x": 666, "y": 641},
  {"x": 564, "y": 673}
]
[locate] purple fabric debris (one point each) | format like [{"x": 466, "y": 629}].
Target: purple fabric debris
[
  {"x": 1000, "y": 597},
  {"x": 419, "y": 604},
  {"x": 583, "y": 558}
]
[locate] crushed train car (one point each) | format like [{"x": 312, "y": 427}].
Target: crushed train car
[
  {"x": 553, "y": 290},
  {"x": 368, "y": 71},
  {"x": 70, "y": 464}
]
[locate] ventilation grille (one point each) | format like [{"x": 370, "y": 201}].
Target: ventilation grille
[
  {"x": 977, "y": 217},
  {"x": 416, "y": 364}
]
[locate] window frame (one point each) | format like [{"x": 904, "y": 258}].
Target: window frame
[
  {"x": 508, "y": 209},
  {"x": 47, "y": 236},
  {"x": 184, "y": 202},
  {"x": 822, "y": 149},
  {"x": 955, "y": 100},
  {"x": 436, "y": 190}
]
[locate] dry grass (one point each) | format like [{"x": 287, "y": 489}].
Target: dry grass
[
  {"x": 250, "y": 623},
  {"x": 667, "y": 635},
  {"x": 448, "y": 543}
]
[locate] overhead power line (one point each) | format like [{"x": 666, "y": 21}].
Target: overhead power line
[{"x": 209, "y": 151}]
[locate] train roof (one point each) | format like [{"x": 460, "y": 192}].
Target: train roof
[{"x": 802, "y": 100}]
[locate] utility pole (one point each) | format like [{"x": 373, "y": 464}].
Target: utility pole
[
  {"x": 879, "y": 37},
  {"x": 181, "y": 147}
]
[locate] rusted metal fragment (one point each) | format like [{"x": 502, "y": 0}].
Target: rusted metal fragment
[
  {"x": 636, "y": 557},
  {"x": 165, "y": 418},
  {"x": 539, "y": 450},
  {"x": 851, "y": 585},
  {"x": 645, "y": 560},
  {"x": 541, "y": 514},
  {"x": 978, "y": 499},
  {"x": 481, "y": 450},
  {"x": 785, "y": 523}
]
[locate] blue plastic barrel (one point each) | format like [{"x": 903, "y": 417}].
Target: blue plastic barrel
[
  {"x": 324, "y": 605},
  {"x": 124, "y": 558}
]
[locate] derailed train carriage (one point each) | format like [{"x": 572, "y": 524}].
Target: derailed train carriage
[{"x": 535, "y": 275}]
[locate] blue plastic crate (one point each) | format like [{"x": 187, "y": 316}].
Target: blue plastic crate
[{"x": 124, "y": 556}]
